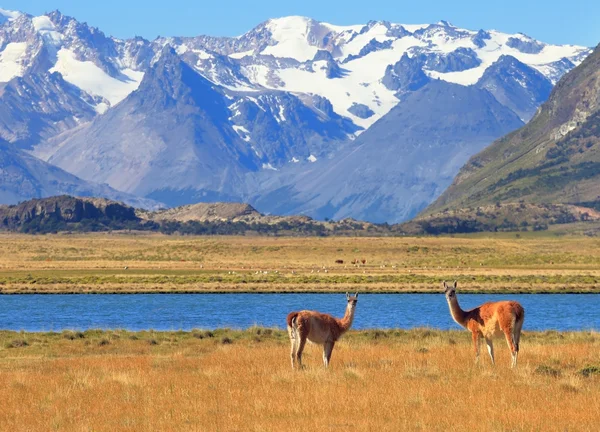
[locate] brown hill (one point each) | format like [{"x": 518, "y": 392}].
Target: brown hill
[
  {"x": 206, "y": 212},
  {"x": 219, "y": 212}
]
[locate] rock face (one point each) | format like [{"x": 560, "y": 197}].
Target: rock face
[
  {"x": 555, "y": 158},
  {"x": 406, "y": 75},
  {"x": 516, "y": 86},
  {"x": 527, "y": 45},
  {"x": 459, "y": 60},
  {"x": 361, "y": 111},
  {"x": 64, "y": 209},
  {"x": 197, "y": 119},
  {"x": 52, "y": 106}
]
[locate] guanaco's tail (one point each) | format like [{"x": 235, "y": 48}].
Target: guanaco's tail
[
  {"x": 519, "y": 318},
  {"x": 519, "y": 314},
  {"x": 291, "y": 323}
]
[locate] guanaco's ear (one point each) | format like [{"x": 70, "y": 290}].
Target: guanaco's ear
[
  {"x": 444, "y": 285},
  {"x": 454, "y": 284},
  {"x": 356, "y": 295},
  {"x": 347, "y": 296}
]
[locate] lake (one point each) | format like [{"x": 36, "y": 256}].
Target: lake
[{"x": 209, "y": 311}]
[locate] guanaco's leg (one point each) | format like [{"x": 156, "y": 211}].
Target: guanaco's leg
[
  {"x": 294, "y": 343},
  {"x": 476, "y": 345},
  {"x": 327, "y": 350},
  {"x": 511, "y": 345},
  {"x": 490, "y": 347},
  {"x": 517, "y": 334},
  {"x": 301, "y": 342}
]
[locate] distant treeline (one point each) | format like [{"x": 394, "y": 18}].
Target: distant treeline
[
  {"x": 69, "y": 214},
  {"x": 52, "y": 223}
]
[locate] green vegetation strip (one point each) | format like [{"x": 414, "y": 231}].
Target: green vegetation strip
[
  {"x": 12, "y": 339},
  {"x": 39, "y": 278}
]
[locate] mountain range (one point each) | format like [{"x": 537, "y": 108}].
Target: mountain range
[
  {"x": 554, "y": 159},
  {"x": 296, "y": 116}
]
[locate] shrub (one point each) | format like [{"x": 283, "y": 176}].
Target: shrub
[{"x": 17, "y": 343}]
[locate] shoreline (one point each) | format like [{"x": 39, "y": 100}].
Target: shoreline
[
  {"x": 200, "y": 291},
  {"x": 280, "y": 334}
]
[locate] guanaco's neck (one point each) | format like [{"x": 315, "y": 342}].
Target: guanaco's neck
[
  {"x": 346, "y": 321},
  {"x": 459, "y": 315}
]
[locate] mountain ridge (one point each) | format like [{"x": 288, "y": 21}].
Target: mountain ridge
[
  {"x": 555, "y": 158},
  {"x": 252, "y": 114}
]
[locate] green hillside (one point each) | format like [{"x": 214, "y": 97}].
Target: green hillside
[{"x": 554, "y": 159}]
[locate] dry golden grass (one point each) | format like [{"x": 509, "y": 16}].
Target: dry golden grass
[
  {"x": 242, "y": 381},
  {"x": 156, "y": 263}
]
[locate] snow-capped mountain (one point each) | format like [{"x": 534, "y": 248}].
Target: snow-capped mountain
[
  {"x": 349, "y": 65},
  {"x": 255, "y": 113},
  {"x": 105, "y": 68}
]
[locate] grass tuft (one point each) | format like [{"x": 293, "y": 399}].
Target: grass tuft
[
  {"x": 17, "y": 343},
  {"x": 547, "y": 371},
  {"x": 589, "y": 371}
]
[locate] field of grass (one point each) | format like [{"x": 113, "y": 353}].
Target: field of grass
[
  {"x": 118, "y": 263},
  {"x": 228, "y": 380},
  {"x": 234, "y": 380}
]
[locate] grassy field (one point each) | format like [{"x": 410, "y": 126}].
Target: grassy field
[
  {"x": 117, "y": 263},
  {"x": 228, "y": 380},
  {"x": 242, "y": 381}
]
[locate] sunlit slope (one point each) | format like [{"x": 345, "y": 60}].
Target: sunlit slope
[{"x": 553, "y": 159}]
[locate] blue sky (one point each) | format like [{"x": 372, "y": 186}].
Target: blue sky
[{"x": 551, "y": 21}]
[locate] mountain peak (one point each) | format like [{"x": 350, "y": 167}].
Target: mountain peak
[
  {"x": 8, "y": 15},
  {"x": 290, "y": 20}
]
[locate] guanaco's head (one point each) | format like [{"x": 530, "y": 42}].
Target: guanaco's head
[
  {"x": 450, "y": 291},
  {"x": 352, "y": 300}
]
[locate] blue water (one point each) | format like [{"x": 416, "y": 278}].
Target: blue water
[{"x": 209, "y": 311}]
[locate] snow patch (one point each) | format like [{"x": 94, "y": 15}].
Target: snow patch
[
  {"x": 182, "y": 49},
  {"x": 242, "y": 54},
  {"x": 281, "y": 117},
  {"x": 11, "y": 61},
  {"x": 253, "y": 99},
  {"x": 361, "y": 84},
  {"x": 341, "y": 29},
  {"x": 202, "y": 55},
  {"x": 93, "y": 80},
  {"x": 8, "y": 15},
  {"x": 295, "y": 160},
  {"x": 311, "y": 158},
  {"x": 291, "y": 37},
  {"x": 47, "y": 29},
  {"x": 42, "y": 23},
  {"x": 242, "y": 132},
  {"x": 268, "y": 166},
  {"x": 102, "y": 107}
]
